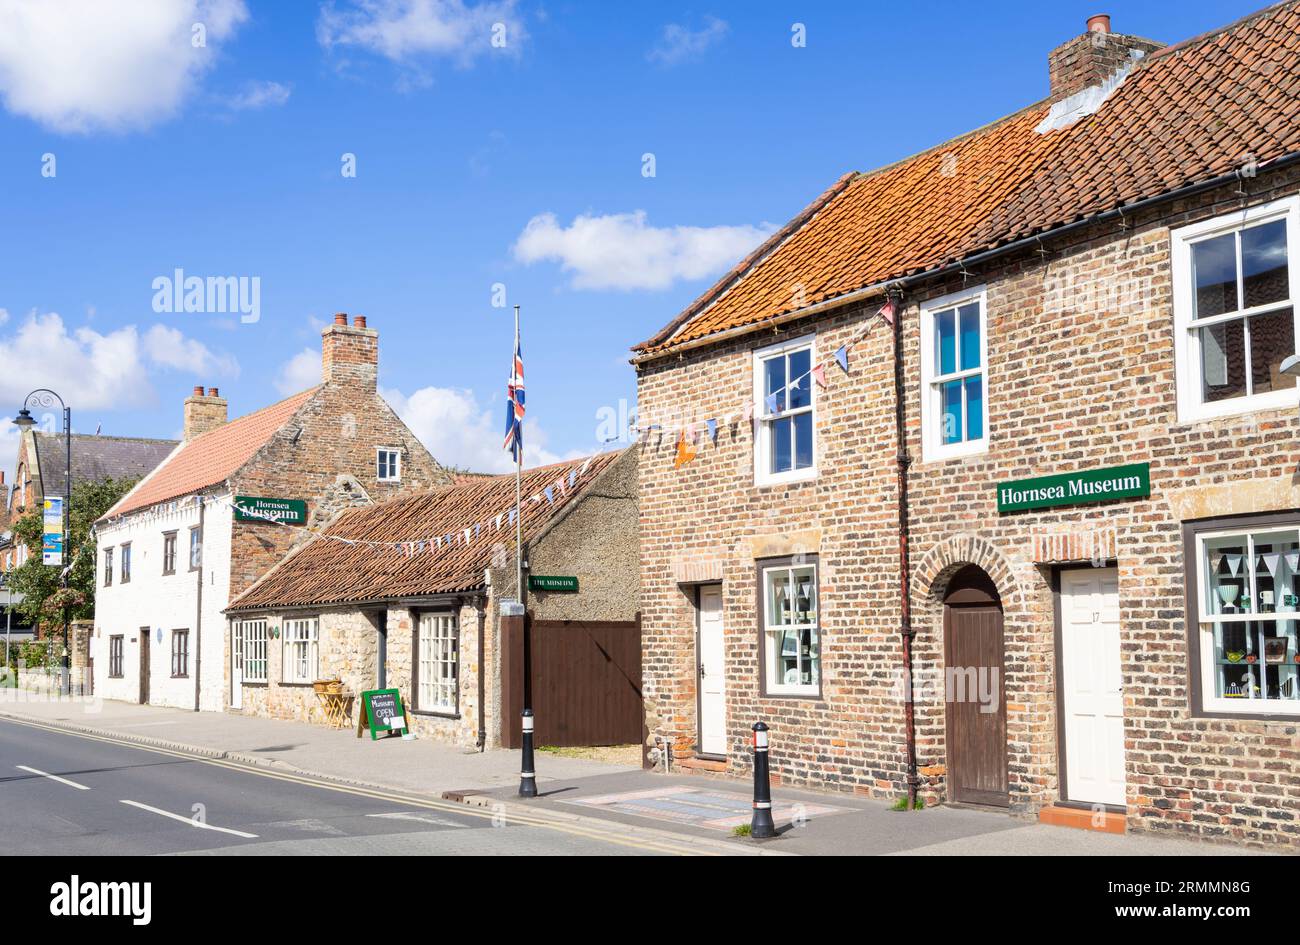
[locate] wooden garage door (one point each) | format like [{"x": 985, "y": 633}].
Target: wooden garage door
[{"x": 976, "y": 707}]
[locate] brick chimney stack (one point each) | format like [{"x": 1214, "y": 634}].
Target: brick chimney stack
[
  {"x": 350, "y": 353},
  {"x": 203, "y": 412},
  {"x": 1093, "y": 57}
]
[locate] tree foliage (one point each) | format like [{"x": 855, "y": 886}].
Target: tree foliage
[{"x": 39, "y": 583}]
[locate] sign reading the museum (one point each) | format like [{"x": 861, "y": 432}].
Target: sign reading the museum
[
  {"x": 1089, "y": 485},
  {"x": 555, "y": 584},
  {"x": 382, "y": 712},
  {"x": 250, "y": 508}
]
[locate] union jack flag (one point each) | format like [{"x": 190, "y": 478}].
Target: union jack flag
[{"x": 515, "y": 405}]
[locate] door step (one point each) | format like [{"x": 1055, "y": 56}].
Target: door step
[
  {"x": 701, "y": 764},
  {"x": 1083, "y": 818}
]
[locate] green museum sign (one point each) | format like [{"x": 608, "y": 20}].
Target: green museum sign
[
  {"x": 1089, "y": 485},
  {"x": 555, "y": 584},
  {"x": 249, "y": 508}
]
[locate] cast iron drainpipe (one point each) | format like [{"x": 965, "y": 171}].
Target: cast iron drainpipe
[
  {"x": 481, "y": 606},
  {"x": 198, "y": 614},
  {"x": 904, "y": 572}
]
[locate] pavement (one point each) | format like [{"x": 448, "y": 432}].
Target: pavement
[{"x": 604, "y": 804}]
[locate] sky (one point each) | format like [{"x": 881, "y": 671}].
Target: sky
[{"x": 432, "y": 163}]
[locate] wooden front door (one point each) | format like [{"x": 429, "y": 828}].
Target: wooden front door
[
  {"x": 974, "y": 681},
  {"x": 144, "y": 665},
  {"x": 711, "y": 671},
  {"x": 1092, "y": 686}
]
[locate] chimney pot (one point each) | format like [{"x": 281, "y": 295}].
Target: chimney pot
[
  {"x": 359, "y": 321},
  {"x": 1099, "y": 23},
  {"x": 203, "y": 413},
  {"x": 350, "y": 357},
  {"x": 340, "y": 318}
]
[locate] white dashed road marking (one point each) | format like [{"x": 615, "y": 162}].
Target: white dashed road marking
[
  {"x": 53, "y": 777},
  {"x": 190, "y": 820}
]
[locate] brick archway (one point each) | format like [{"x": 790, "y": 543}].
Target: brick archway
[{"x": 952, "y": 554}]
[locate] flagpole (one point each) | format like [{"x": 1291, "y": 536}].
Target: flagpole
[{"x": 519, "y": 469}]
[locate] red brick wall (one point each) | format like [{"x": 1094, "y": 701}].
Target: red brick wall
[{"x": 1080, "y": 353}]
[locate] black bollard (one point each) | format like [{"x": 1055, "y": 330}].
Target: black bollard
[
  {"x": 528, "y": 777},
  {"x": 761, "y": 825}
]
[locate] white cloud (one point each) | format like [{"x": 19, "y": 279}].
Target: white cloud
[
  {"x": 406, "y": 31},
  {"x": 257, "y": 95},
  {"x": 622, "y": 251},
  {"x": 92, "y": 370},
  {"x": 679, "y": 43},
  {"x": 169, "y": 348},
  {"x": 87, "y": 65},
  {"x": 300, "y": 372},
  {"x": 459, "y": 431}
]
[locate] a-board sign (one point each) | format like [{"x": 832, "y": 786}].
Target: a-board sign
[{"x": 382, "y": 712}]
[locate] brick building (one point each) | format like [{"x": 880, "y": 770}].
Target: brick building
[
  {"x": 1101, "y": 288},
  {"x": 41, "y": 467},
  {"x": 407, "y": 594},
  {"x": 194, "y": 533}
]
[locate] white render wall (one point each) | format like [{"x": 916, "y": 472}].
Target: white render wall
[{"x": 166, "y": 602}]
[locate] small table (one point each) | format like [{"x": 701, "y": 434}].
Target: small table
[{"x": 335, "y": 706}]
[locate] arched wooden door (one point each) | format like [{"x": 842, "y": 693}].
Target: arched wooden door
[{"x": 975, "y": 690}]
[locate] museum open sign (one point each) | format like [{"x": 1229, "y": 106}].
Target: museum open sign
[{"x": 1089, "y": 485}]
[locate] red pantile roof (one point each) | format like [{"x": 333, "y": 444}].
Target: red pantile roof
[
  {"x": 211, "y": 457},
  {"x": 1186, "y": 114},
  {"x": 326, "y": 571}
]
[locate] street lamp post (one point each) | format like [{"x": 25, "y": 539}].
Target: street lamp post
[{"x": 43, "y": 397}]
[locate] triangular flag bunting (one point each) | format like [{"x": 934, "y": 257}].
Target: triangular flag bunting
[
  {"x": 819, "y": 375},
  {"x": 887, "y": 311},
  {"x": 685, "y": 452},
  {"x": 842, "y": 356},
  {"x": 712, "y": 427}
]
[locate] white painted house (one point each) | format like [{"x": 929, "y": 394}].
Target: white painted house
[{"x": 173, "y": 551}]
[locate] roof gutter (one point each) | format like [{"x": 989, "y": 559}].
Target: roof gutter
[
  {"x": 420, "y": 600},
  {"x": 880, "y": 288}
]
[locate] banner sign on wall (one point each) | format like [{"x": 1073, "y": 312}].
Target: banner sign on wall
[
  {"x": 52, "y": 545},
  {"x": 1090, "y": 485},
  {"x": 250, "y": 508}
]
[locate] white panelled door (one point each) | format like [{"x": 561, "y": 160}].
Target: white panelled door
[
  {"x": 1093, "y": 686},
  {"x": 711, "y": 656},
  {"x": 237, "y": 665}
]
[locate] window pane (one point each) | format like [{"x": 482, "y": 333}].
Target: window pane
[
  {"x": 774, "y": 379},
  {"x": 1277, "y": 555},
  {"x": 778, "y": 597},
  {"x": 1227, "y": 584},
  {"x": 1264, "y": 264},
  {"x": 951, "y": 411},
  {"x": 805, "y": 595},
  {"x": 1214, "y": 271},
  {"x": 1272, "y": 340},
  {"x": 974, "y": 408},
  {"x": 945, "y": 342},
  {"x": 1223, "y": 361},
  {"x": 970, "y": 335},
  {"x": 781, "y": 430},
  {"x": 803, "y": 440},
  {"x": 800, "y": 379}
]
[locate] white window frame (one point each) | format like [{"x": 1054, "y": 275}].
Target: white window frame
[
  {"x": 437, "y": 648},
  {"x": 932, "y": 446},
  {"x": 771, "y": 666},
  {"x": 762, "y": 435},
  {"x": 301, "y": 632},
  {"x": 395, "y": 463},
  {"x": 1205, "y": 624},
  {"x": 253, "y": 644},
  {"x": 108, "y": 567},
  {"x": 1187, "y": 362}
]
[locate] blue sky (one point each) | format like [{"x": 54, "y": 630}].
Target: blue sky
[{"x": 476, "y": 165}]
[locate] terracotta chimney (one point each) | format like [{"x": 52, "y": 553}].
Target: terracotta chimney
[
  {"x": 203, "y": 412},
  {"x": 1092, "y": 58},
  {"x": 350, "y": 353}
]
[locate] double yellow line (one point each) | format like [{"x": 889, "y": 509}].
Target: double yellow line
[{"x": 512, "y": 817}]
